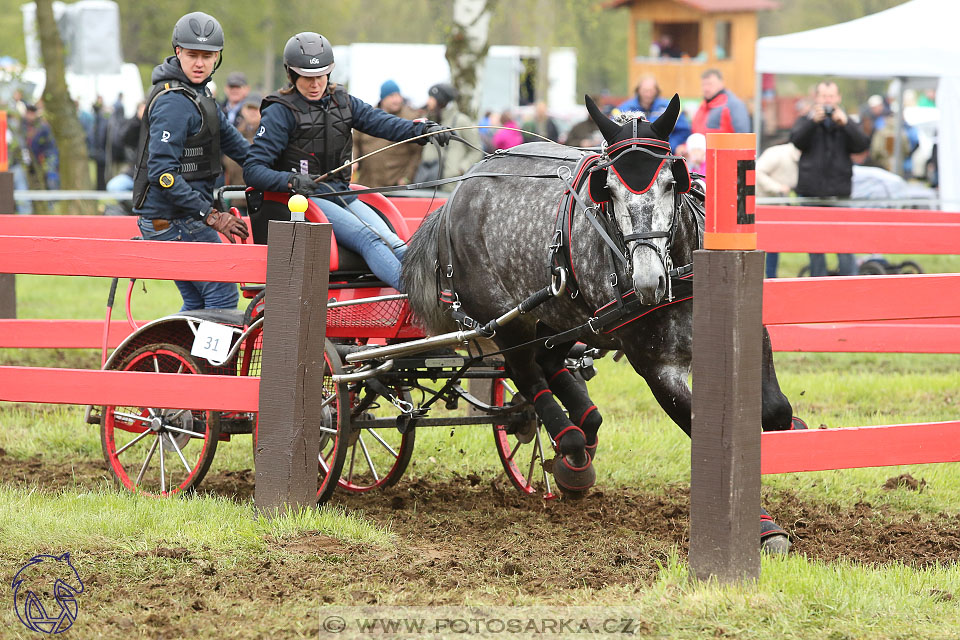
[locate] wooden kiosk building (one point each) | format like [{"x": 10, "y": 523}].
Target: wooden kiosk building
[{"x": 706, "y": 34}]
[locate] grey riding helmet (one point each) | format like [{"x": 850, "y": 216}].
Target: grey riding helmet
[
  {"x": 308, "y": 54},
  {"x": 199, "y": 31}
]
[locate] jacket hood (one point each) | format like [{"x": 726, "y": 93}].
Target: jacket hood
[{"x": 170, "y": 69}]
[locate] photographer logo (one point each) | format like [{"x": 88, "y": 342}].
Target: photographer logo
[{"x": 44, "y": 593}]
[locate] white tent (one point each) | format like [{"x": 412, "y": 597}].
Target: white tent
[{"x": 917, "y": 39}]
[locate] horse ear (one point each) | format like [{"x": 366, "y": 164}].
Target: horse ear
[
  {"x": 608, "y": 128},
  {"x": 663, "y": 126}
]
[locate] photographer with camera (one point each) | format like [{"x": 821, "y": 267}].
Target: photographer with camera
[{"x": 826, "y": 137}]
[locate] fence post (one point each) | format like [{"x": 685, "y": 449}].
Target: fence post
[
  {"x": 292, "y": 366},
  {"x": 727, "y": 337},
  {"x": 8, "y": 281}
]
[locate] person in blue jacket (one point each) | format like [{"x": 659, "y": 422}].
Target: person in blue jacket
[
  {"x": 306, "y": 132},
  {"x": 646, "y": 98},
  {"x": 182, "y": 136}
]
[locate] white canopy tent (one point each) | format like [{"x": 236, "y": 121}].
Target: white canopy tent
[{"x": 917, "y": 39}]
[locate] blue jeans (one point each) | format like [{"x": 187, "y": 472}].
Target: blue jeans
[
  {"x": 20, "y": 184},
  {"x": 772, "y": 261},
  {"x": 196, "y": 295},
  {"x": 846, "y": 264},
  {"x": 360, "y": 229}
]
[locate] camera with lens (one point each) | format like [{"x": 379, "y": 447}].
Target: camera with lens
[{"x": 828, "y": 111}]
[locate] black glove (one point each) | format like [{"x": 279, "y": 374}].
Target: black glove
[
  {"x": 302, "y": 184},
  {"x": 441, "y": 133}
]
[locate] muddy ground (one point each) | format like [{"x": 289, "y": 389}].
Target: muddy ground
[
  {"x": 463, "y": 539},
  {"x": 484, "y": 523}
]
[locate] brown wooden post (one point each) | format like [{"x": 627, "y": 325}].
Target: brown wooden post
[
  {"x": 291, "y": 384},
  {"x": 8, "y": 281},
  {"x": 727, "y": 339}
]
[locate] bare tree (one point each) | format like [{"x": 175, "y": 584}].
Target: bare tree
[
  {"x": 61, "y": 112},
  {"x": 467, "y": 48}
]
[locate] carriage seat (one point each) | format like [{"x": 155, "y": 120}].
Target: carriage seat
[
  {"x": 232, "y": 317},
  {"x": 345, "y": 265}
]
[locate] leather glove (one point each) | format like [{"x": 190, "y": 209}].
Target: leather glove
[
  {"x": 302, "y": 184},
  {"x": 227, "y": 224},
  {"x": 441, "y": 133}
]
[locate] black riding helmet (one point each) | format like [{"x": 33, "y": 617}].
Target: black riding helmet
[
  {"x": 307, "y": 54},
  {"x": 199, "y": 31}
]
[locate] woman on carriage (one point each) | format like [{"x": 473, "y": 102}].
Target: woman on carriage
[{"x": 306, "y": 132}]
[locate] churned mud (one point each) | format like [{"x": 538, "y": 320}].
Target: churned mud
[{"x": 612, "y": 536}]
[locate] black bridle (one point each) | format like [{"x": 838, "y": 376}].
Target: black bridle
[{"x": 632, "y": 145}]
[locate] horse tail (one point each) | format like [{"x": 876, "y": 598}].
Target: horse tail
[{"x": 419, "y": 275}]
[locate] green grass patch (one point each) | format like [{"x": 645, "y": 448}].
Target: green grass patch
[{"x": 105, "y": 519}]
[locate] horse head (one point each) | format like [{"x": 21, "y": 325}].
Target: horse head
[{"x": 641, "y": 178}]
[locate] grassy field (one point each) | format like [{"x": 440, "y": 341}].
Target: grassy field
[{"x": 450, "y": 535}]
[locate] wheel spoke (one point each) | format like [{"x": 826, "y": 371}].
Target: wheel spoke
[
  {"x": 130, "y": 416},
  {"x": 383, "y": 442},
  {"x": 134, "y": 441},
  {"x": 323, "y": 463},
  {"x": 173, "y": 441},
  {"x": 327, "y": 401},
  {"x": 353, "y": 455},
  {"x": 533, "y": 461},
  {"x": 514, "y": 451},
  {"x": 156, "y": 364},
  {"x": 546, "y": 480},
  {"x": 174, "y": 416},
  {"x": 163, "y": 470},
  {"x": 146, "y": 462},
  {"x": 192, "y": 434},
  {"x": 180, "y": 368},
  {"x": 328, "y": 430},
  {"x": 366, "y": 455}
]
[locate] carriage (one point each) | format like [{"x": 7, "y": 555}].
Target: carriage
[
  {"x": 369, "y": 414},
  {"x": 619, "y": 226}
]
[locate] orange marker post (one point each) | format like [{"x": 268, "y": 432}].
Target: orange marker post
[
  {"x": 4, "y": 165},
  {"x": 731, "y": 203}
]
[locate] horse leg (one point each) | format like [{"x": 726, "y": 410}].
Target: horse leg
[
  {"x": 669, "y": 386},
  {"x": 573, "y": 469},
  {"x": 777, "y": 413},
  {"x": 571, "y": 390}
]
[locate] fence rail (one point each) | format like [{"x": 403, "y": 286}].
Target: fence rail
[{"x": 133, "y": 259}]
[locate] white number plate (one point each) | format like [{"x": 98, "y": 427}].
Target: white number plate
[{"x": 212, "y": 342}]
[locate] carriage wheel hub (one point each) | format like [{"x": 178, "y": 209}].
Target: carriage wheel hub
[{"x": 156, "y": 423}]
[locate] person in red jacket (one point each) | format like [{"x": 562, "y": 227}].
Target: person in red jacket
[{"x": 720, "y": 111}]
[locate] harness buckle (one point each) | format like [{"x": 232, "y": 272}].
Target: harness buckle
[
  {"x": 449, "y": 271},
  {"x": 590, "y": 325},
  {"x": 613, "y": 279},
  {"x": 557, "y": 241}
]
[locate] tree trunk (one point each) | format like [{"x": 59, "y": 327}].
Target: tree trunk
[
  {"x": 61, "y": 112},
  {"x": 467, "y": 48}
]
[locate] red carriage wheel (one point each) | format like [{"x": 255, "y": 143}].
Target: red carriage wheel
[
  {"x": 153, "y": 451},
  {"x": 378, "y": 455},
  {"x": 521, "y": 444},
  {"x": 334, "y": 424}
]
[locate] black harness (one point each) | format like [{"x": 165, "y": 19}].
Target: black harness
[{"x": 625, "y": 306}]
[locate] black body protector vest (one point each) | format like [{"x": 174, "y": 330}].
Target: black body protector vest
[
  {"x": 200, "y": 159},
  {"x": 323, "y": 138}
]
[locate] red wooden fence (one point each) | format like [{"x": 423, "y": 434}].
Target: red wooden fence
[{"x": 122, "y": 258}]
